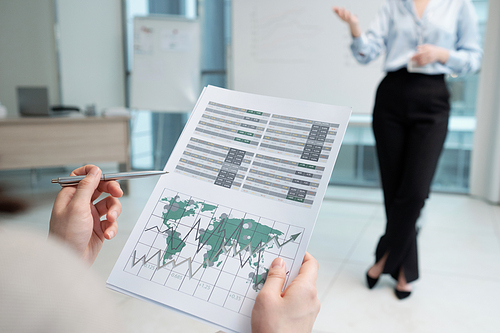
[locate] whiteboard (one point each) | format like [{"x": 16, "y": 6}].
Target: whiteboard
[
  {"x": 166, "y": 64},
  {"x": 300, "y": 49}
]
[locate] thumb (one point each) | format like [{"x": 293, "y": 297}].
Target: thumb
[
  {"x": 275, "y": 277},
  {"x": 88, "y": 185}
]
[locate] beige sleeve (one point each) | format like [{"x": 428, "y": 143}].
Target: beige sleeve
[{"x": 44, "y": 287}]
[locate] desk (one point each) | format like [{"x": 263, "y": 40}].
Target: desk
[{"x": 50, "y": 142}]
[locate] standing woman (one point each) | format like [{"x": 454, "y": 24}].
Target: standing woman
[{"x": 423, "y": 40}]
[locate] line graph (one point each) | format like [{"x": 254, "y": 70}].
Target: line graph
[
  {"x": 233, "y": 248},
  {"x": 210, "y": 251}
]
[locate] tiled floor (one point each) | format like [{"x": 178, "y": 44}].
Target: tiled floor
[{"x": 459, "y": 244}]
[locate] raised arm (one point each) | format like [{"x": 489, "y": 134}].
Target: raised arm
[
  {"x": 367, "y": 46},
  {"x": 349, "y": 18}
]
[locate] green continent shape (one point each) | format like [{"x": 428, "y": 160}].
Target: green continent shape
[
  {"x": 261, "y": 278},
  {"x": 174, "y": 245},
  {"x": 226, "y": 231},
  {"x": 177, "y": 210},
  {"x": 208, "y": 208}
]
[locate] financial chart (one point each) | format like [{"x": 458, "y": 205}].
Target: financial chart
[
  {"x": 211, "y": 252},
  {"x": 232, "y": 148},
  {"x": 299, "y": 138},
  {"x": 232, "y": 124},
  {"x": 283, "y": 180},
  {"x": 244, "y": 185},
  {"x": 215, "y": 163}
]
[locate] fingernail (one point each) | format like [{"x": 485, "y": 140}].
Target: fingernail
[
  {"x": 111, "y": 234},
  {"x": 277, "y": 263}
]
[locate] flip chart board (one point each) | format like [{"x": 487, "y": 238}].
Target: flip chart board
[{"x": 166, "y": 64}]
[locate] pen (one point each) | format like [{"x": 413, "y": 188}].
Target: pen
[{"x": 74, "y": 180}]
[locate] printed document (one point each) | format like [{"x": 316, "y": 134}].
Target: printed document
[{"x": 245, "y": 185}]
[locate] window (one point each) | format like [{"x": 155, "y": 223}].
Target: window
[
  {"x": 356, "y": 164},
  {"x": 154, "y": 134}
]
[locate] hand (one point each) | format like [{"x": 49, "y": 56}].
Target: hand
[
  {"x": 427, "y": 54},
  {"x": 350, "y": 19},
  {"x": 293, "y": 310},
  {"x": 77, "y": 220}
]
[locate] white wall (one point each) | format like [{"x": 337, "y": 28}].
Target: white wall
[
  {"x": 91, "y": 53},
  {"x": 299, "y": 49},
  {"x": 27, "y": 49},
  {"x": 485, "y": 168}
]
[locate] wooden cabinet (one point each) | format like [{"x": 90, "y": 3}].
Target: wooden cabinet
[{"x": 50, "y": 142}]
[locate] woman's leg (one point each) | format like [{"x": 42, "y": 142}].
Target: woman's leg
[
  {"x": 427, "y": 116},
  {"x": 402, "y": 284},
  {"x": 408, "y": 165},
  {"x": 377, "y": 268},
  {"x": 390, "y": 131}
]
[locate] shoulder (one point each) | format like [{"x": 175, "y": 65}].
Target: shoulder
[
  {"x": 460, "y": 4},
  {"x": 465, "y": 8}
]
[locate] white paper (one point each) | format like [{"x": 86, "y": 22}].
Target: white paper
[
  {"x": 176, "y": 40},
  {"x": 245, "y": 185},
  {"x": 144, "y": 40}
]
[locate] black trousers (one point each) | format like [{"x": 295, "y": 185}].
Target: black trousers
[{"x": 410, "y": 123}]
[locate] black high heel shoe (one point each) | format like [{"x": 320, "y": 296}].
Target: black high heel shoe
[
  {"x": 401, "y": 294},
  {"x": 371, "y": 282}
]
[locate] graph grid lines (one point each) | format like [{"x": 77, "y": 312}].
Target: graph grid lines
[{"x": 222, "y": 277}]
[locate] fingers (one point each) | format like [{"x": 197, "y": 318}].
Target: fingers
[
  {"x": 64, "y": 197},
  {"x": 425, "y": 54},
  {"x": 112, "y": 208},
  {"x": 66, "y": 194},
  {"x": 342, "y": 13},
  {"x": 109, "y": 229},
  {"x": 424, "y": 48},
  {"x": 111, "y": 187},
  {"x": 87, "y": 186},
  {"x": 275, "y": 277},
  {"x": 420, "y": 59},
  {"x": 83, "y": 170},
  {"x": 109, "y": 206},
  {"x": 309, "y": 268}
]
